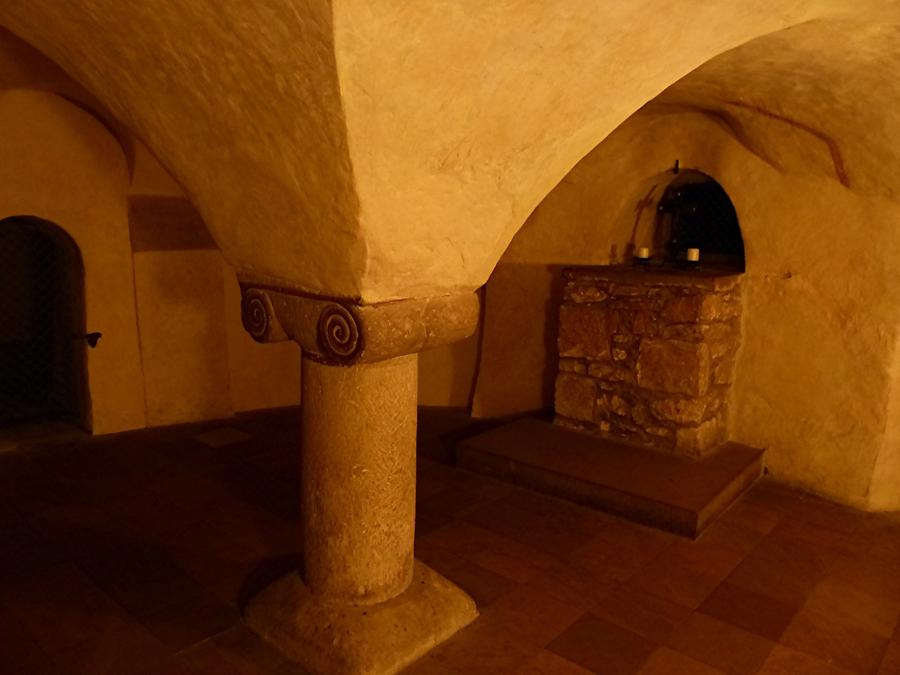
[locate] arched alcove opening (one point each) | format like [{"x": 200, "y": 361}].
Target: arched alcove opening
[
  {"x": 695, "y": 212},
  {"x": 42, "y": 324}
]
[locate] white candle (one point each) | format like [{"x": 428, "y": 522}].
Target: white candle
[
  {"x": 693, "y": 255},
  {"x": 643, "y": 253}
]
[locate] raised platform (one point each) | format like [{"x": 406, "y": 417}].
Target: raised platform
[{"x": 653, "y": 488}]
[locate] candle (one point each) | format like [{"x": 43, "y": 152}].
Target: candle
[
  {"x": 643, "y": 253},
  {"x": 693, "y": 255}
]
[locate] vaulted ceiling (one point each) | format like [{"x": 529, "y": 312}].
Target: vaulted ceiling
[{"x": 392, "y": 149}]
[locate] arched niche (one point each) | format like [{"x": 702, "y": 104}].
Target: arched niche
[
  {"x": 59, "y": 164},
  {"x": 695, "y": 212}
]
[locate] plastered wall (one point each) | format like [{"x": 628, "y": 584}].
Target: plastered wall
[
  {"x": 815, "y": 379},
  {"x": 173, "y": 349}
]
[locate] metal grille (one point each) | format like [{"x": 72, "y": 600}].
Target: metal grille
[
  {"x": 695, "y": 212},
  {"x": 41, "y": 323}
]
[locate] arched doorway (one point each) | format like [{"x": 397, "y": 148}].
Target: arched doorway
[{"x": 42, "y": 324}]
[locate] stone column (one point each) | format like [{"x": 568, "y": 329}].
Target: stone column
[
  {"x": 361, "y": 604},
  {"x": 359, "y": 478}
]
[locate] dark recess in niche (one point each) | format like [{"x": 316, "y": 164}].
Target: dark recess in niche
[{"x": 696, "y": 212}]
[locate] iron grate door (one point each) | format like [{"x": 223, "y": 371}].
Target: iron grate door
[{"x": 41, "y": 323}]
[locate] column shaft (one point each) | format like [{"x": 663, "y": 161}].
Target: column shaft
[{"x": 358, "y": 478}]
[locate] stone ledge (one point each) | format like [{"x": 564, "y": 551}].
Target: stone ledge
[
  {"x": 330, "y": 638},
  {"x": 706, "y": 277},
  {"x": 649, "y": 487}
]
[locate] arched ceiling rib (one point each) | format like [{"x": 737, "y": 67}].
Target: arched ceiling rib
[{"x": 389, "y": 149}]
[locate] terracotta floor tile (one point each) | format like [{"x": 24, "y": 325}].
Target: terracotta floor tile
[
  {"x": 890, "y": 664},
  {"x": 754, "y": 612},
  {"x": 190, "y": 622},
  {"x": 485, "y": 647},
  {"x": 535, "y": 615},
  {"x": 144, "y": 585},
  {"x": 868, "y": 573},
  {"x": 621, "y": 550},
  {"x": 20, "y": 650},
  {"x": 779, "y": 570},
  {"x": 61, "y": 608},
  {"x": 834, "y": 639},
  {"x": 687, "y": 572},
  {"x": 548, "y": 663},
  {"x": 742, "y": 526},
  {"x": 238, "y": 652},
  {"x": 483, "y": 585},
  {"x": 642, "y": 613},
  {"x": 602, "y": 647},
  {"x": 665, "y": 661},
  {"x": 874, "y": 613},
  {"x": 787, "y": 661},
  {"x": 120, "y": 647},
  {"x": 720, "y": 645},
  {"x": 173, "y": 529},
  {"x": 527, "y": 528},
  {"x": 575, "y": 585}
]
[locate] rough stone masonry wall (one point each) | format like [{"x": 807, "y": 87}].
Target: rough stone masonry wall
[{"x": 648, "y": 356}]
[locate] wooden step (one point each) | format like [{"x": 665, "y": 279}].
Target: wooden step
[{"x": 664, "y": 491}]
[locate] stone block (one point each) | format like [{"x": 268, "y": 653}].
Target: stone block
[
  {"x": 572, "y": 366},
  {"x": 700, "y": 440},
  {"x": 644, "y": 323},
  {"x": 723, "y": 373},
  {"x": 674, "y": 367},
  {"x": 584, "y": 291},
  {"x": 719, "y": 307},
  {"x": 719, "y": 349},
  {"x": 682, "y": 309},
  {"x": 575, "y": 396},
  {"x": 585, "y": 331},
  {"x": 680, "y": 410},
  {"x": 610, "y": 372}
]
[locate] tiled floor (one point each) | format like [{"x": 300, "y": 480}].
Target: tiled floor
[{"x": 129, "y": 554}]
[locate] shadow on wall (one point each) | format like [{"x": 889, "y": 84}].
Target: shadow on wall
[{"x": 518, "y": 366}]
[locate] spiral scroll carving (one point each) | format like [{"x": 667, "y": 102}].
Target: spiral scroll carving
[
  {"x": 338, "y": 333},
  {"x": 255, "y": 315}
]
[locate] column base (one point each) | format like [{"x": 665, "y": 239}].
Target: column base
[{"x": 342, "y": 639}]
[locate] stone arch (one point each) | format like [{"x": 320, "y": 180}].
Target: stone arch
[{"x": 59, "y": 164}]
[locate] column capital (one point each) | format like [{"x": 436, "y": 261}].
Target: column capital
[{"x": 344, "y": 331}]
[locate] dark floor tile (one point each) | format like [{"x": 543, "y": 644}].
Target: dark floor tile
[
  {"x": 602, "y": 647},
  {"x": 60, "y": 608},
  {"x": 485, "y": 647},
  {"x": 687, "y": 572},
  {"x": 665, "y": 661},
  {"x": 483, "y": 585},
  {"x": 621, "y": 549},
  {"x": 190, "y": 622},
  {"x": 238, "y": 652},
  {"x": 534, "y": 615},
  {"x": 781, "y": 570},
  {"x": 145, "y": 584},
  {"x": 123, "y": 647},
  {"x": 548, "y": 663},
  {"x": 721, "y": 645},
  {"x": 538, "y": 531},
  {"x": 643, "y": 613},
  {"x": 754, "y": 612}
]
